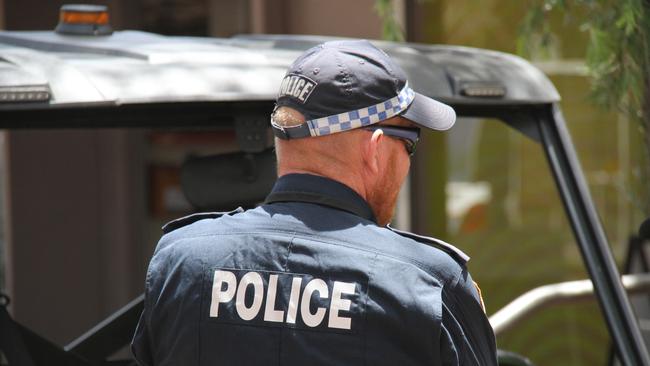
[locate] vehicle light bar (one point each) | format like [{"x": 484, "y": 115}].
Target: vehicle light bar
[
  {"x": 90, "y": 20},
  {"x": 483, "y": 90},
  {"x": 24, "y": 94}
]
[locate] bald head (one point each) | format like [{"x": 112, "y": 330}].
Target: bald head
[{"x": 368, "y": 162}]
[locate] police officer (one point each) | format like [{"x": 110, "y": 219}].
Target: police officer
[{"x": 315, "y": 276}]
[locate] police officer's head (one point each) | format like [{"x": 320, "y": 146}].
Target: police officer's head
[{"x": 345, "y": 111}]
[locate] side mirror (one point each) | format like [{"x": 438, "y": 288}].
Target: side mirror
[{"x": 222, "y": 182}]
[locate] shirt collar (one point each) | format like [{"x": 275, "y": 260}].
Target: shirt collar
[{"x": 320, "y": 190}]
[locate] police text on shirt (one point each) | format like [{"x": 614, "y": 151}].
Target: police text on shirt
[{"x": 276, "y": 297}]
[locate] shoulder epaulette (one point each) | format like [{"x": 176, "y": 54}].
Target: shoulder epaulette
[
  {"x": 184, "y": 221},
  {"x": 456, "y": 253}
]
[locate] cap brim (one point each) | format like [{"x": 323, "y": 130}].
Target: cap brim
[{"x": 430, "y": 113}]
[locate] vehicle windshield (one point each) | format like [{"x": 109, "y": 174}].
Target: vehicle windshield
[{"x": 504, "y": 210}]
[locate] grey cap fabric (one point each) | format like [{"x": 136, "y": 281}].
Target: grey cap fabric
[{"x": 342, "y": 85}]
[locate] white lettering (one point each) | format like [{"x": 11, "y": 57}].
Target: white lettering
[
  {"x": 250, "y": 278},
  {"x": 313, "y": 320},
  {"x": 222, "y": 296},
  {"x": 296, "y": 86},
  {"x": 338, "y": 304},
  {"x": 293, "y": 300},
  {"x": 305, "y": 92},
  {"x": 279, "y": 297},
  {"x": 284, "y": 85},
  {"x": 292, "y": 85},
  {"x": 298, "y": 89},
  {"x": 270, "y": 313}
]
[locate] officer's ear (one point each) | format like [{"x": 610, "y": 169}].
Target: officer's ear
[{"x": 371, "y": 151}]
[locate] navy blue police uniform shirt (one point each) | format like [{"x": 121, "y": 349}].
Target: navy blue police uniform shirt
[{"x": 308, "y": 278}]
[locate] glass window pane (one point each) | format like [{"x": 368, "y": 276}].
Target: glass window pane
[{"x": 505, "y": 212}]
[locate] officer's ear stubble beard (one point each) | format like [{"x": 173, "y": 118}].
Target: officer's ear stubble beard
[
  {"x": 386, "y": 166},
  {"x": 377, "y": 171}
]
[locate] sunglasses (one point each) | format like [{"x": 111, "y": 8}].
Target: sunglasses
[{"x": 409, "y": 135}]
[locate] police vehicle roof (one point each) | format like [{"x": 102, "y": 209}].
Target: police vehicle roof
[{"x": 130, "y": 68}]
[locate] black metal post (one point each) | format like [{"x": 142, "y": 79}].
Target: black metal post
[
  {"x": 109, "y": 335},
  {"x": 591, "y": 239}
]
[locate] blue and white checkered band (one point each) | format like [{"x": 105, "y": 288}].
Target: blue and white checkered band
[{"x": 362, "y": 117}]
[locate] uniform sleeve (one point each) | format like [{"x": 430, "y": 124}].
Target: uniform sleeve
[
  {"x": 140, "y": 343},
  {"x": 466, "y": 335},
  {"x": 448, "y": 352}
]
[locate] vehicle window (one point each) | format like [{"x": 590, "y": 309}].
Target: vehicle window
[
  {"x": 614, "y": 160},
  {"x": 84, "y": 208},
  {"x": 505, "y": 212},
  {"x": 165, "y": 152}
]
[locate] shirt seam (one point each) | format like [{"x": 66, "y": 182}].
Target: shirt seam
[
  {"x": 289, "y": 248},
  {"x": 365, "y": 308},
  {"x": 295, "y": 235},
  {"x": 467, "y": 347},
  {"x": 147, "y": 314},
  {"x": 286, "y": 269}
]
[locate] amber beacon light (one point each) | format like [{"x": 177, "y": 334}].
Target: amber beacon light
[{"x": 84, "y": 20}]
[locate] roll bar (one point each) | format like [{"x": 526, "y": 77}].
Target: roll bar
[{"x": 570, "y": 292}]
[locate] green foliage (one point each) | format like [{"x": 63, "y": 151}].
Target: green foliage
[
  {"x": 618, "y": 54},
  {"x": 391, "y": 30}
]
